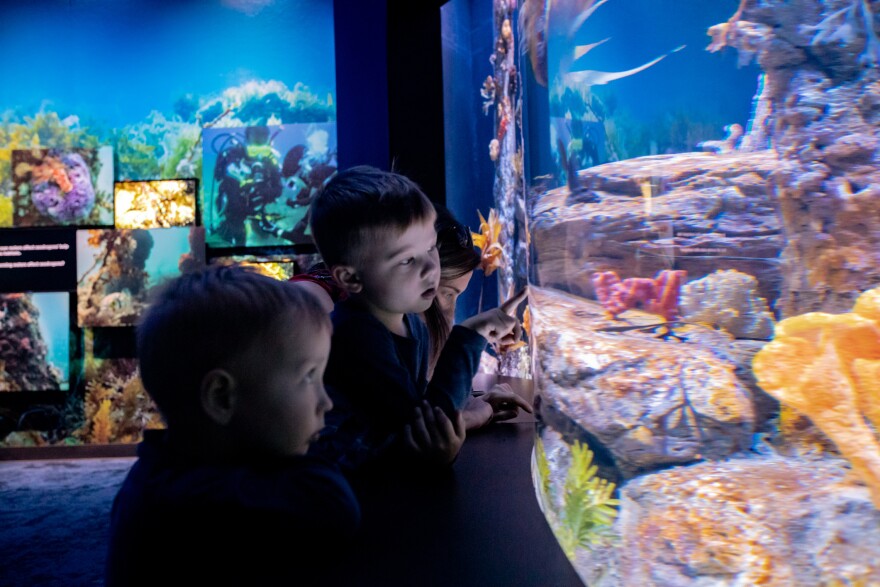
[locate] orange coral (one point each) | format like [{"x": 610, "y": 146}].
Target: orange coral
[
  {"x": 52, "y": 170},
  {"x": 827, "y": 367},
  {"x": 487, "y": 240},
  {"x": 102, "y": 427}
]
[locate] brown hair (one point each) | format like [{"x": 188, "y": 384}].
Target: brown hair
[
  {"x": 202, "y": 321},
  {"x": 457, "y": 257}
]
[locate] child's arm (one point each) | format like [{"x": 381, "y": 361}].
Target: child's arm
[
  {"x": 496, "y": 405},
  {"x": 450, "y": 387}
]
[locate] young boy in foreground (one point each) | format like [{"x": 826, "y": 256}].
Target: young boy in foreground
[
  {"x": 226, "y": 495},
  {"x": 375, "y": 231}
]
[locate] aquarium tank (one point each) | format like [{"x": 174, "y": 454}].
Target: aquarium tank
[{"x": 696, "y": 186}]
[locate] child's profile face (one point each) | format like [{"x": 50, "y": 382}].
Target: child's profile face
[
  {"x": 282, "y": 404},
  {"x": 400, "y": 271}
]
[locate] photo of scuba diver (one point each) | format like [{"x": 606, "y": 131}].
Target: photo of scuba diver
[{"x": 260, "y": 180}]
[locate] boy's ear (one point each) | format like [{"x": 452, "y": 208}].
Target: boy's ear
[
  {"x": 347, "y": 277},
  {"x": 218, "y": 396}
]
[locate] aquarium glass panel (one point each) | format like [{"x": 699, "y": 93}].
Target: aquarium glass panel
[{"x": 703, "y": 223}]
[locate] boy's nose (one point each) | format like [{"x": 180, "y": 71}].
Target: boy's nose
[
  {"x": 431, "y": 265},
  {"x": 325, "y": 404}
]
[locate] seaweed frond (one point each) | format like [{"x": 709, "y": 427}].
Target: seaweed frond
[
  {"x": 587, "y": 509},
  {"x": 588, "y": 506}
]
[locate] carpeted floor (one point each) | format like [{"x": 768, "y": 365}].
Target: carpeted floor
[{"x": 54, "y": 517}]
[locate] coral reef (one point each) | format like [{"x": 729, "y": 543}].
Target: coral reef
[
  {"x": 747, "y": 521},
  {"x": 62, "y": 187},
  {"x": 155, "y": 204},
  {"x": 818, "y": 108},
  {"x": 77, "y": 194},
  {"x": 649, "y": 403},
  {"x": 728, "y": 299},
  {"x": 504, "y": 93},
  {"x": 116, "y": 406},
  {"x": 23, "y": 353},
  {"x": 113, "y": 291},
  {"x": 43, "y": 130},
  {"x": 827, "y": 366},
  {"x": 657, "y": 296},
  {"x": 708, "y": 212}
]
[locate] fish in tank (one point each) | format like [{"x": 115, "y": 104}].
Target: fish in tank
[{"x": 704, "y": 235}]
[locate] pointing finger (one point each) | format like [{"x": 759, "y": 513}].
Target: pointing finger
[{"x": 509, "y": 307}]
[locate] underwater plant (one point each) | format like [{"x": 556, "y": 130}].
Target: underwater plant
[
  {"x": 155, "y": 204},
  {"x": 116, "y": 406},
  {"x": 5, "y": 211},
  {"x": 43, "y": 130},
  {"x": 259, "y": 103},
  {"x": 827, "y": 366},
  {"x": 113, "y": 290},
  {"x": 583, "y": 517}
]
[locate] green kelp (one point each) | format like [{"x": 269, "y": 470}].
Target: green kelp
[
  {"x": 583, "y": 515},
  {"x": 43, "y": 130},
  {"x": 256, "y": 103},
  {"x": 157, "y": 149}
]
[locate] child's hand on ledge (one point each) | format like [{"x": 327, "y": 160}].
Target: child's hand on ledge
[
  {"x": 496, "y": 405},
  {"x": 499, "y": 325},
  {"x": 434, "y": 436}
]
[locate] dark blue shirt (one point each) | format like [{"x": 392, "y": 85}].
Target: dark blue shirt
[
  {"x": 376, "y": 380},
  {"x": 176, "y": 521}
]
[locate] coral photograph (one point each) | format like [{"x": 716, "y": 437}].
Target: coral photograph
[
  {"x": 62, "y": 187},
  {"x": 117, "y": 269},
  {"x": 280, "y": 267},
  {"x": 259, "y": 181},
  {"x": 117, "y": 408},
  {"x": 34, "y": 348},
  {"x": 155, "y": 204}
]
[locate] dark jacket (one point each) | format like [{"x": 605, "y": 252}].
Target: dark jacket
[
  {"x": 180, "y": 522},
  {"x": 376, "y": 380}
]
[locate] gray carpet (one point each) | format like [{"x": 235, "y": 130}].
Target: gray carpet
[{"x": 54, "y": 517}]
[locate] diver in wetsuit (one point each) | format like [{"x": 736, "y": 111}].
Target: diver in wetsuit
[
  {"x": 303, "y": 177},
  {"x": 249, "y": 178}
]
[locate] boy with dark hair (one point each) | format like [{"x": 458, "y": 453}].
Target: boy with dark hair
[
  {"x": 375, "y": 231},
  {"x": 226, "y": 495}
]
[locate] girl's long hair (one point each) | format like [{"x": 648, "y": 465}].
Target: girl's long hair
[{"x": 457, "y": 257}]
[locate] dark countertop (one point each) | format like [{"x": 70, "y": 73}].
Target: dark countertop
[{"x": 478, "y": 524}]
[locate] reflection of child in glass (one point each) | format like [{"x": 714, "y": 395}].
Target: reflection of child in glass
[
  {"x": 375, "y": 230},
  {"x": 226, "y": 495}
]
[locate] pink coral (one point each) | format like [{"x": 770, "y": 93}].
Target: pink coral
[{"x": 658, "y": 295}]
